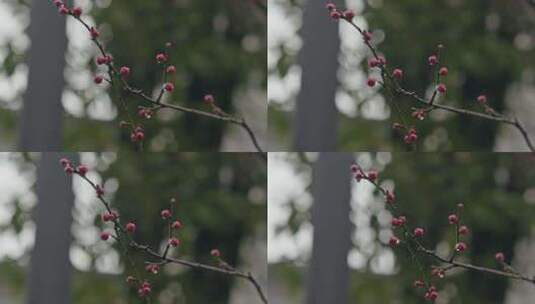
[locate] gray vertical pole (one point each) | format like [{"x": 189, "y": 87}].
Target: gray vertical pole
[
  {"x": 328, "y": 272},
  {"x": 49, "y": 278},
  {"x": 41, "y": 117},
  {"x": 316, "y": 114}
]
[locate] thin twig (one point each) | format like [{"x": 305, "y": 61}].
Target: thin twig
[{"x": 453, "y": 264}]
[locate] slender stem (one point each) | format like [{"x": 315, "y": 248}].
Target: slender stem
[
  {"x": 510, "y": 275},
  {"x": 248, "y": 276}
]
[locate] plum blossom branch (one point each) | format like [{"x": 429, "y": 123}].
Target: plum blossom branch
[
  {"x": 410, "y": 239},
  {"x": 123, "y": 234},
  {"x": 391, "y": 81},
  {"x": 151, "y": 105}
]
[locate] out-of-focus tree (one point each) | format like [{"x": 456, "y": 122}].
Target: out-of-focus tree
[
  {"x": 53, "y": 218},
  {"x": 328, "y": 275},
  {"x": 41, "y": 119},
  {"x": 315, "y": 115}
]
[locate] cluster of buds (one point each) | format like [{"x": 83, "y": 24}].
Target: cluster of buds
[
  {"x": 70, "y": 169},
  {"x": 377, "y": 62},
  {"x": 337, "y": 14},
  {"x": 460, "y": 230},
  {"x": 419, "y": 114},
  {"x": 411, "y": 240},
  {"x": 144, "y": 289},
  {"x": 126, "y": 233},
  {"x": 137, "y": 134},
  {"x": 75, "y": 11},
  {"x": 372, "y": 176},
  {"x": 104, "y": 59},
  {"x": 411, "y": 136},
  {"x": 392, "y": 79},
  {"x": 152, "y": 268},
  {"x": 109, "y": 216},
  {"x": 431, "y": 293},
  {"x": 144, "y": 112}
]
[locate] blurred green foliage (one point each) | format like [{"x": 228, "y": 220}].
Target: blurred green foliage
[{"x": 497, "y": 190}]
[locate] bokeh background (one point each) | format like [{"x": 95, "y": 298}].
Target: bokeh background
[
  {"x": 50, "y": 226},
  {"x": 318, "y": 99},
  {"x": 328, "y": 235},
  {"x": 48, "y": 101}
]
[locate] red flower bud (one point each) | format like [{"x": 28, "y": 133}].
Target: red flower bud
[
  {"x": 349, "y": 15},
  {"x": 130, "y": 227},
  {"x": 124, "y": 71},
  {"x": 367, "y": 36},
  {"x": 453, "y": 219},
  {"x": 169, "y": 87},
  {"x": 419, "y": 232},
  {"x": 82, "y": 170},
  {"x": 441, "y": 88},
  {"x": 335, "y": 15},
  {"x": 171, "y": 69},
  {"x": 64, "y": 162},
  {"x": 390, "y": 197},
  {"x": 432, "y": 60},
  {"x": 63, "y": 10},
  {"x": 94, "y": 33},
  {"x": 463, "y": 230},
  {"x": 460, "y": 247},
  {"x": 165, "y": 214},
  {"x": 76, "y": 11},
  {"x": 176, "y": 224},
  {"x": 137, "y": 135},
  {"x": 99, "y": 190},
  {"x": 394, "y": 241},
  {"x": 105, "y": 236},
  {"x": 98, "y": 79},
  {"x": 397, "y": 73},
  {"x": 209, "y": 99},
  {"x": 68, "y": 169},
  {"x": 161, "y": 57},
  {"x": 174, "y": 242},
  {"x": 372, "y": 175}
]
